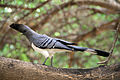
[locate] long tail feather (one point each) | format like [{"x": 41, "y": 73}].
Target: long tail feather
[{"x": 94, "y": 51}]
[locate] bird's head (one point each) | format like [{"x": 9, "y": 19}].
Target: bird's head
[{"x": 20, "y": 27}]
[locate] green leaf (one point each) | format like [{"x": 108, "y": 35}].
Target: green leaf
[
  {"x": 57, "y": 34},
  {"x": 24, "y": 57}
]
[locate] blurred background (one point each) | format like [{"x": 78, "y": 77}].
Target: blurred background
[{"x": 89, "y": 23}]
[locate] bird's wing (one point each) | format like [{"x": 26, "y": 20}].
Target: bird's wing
[
  {"x": 65, "y": 42},
  {"x": 45, "y": 42}
]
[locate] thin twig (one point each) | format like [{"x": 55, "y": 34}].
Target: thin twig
[
  {"x": 116, "y": 38},
  {"x": 113, "y": 45}
]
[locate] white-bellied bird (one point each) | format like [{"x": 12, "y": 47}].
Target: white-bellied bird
[{"x": 48, "y": 46}]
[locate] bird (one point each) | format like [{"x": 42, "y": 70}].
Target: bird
[{"x": 48, "y": 46}]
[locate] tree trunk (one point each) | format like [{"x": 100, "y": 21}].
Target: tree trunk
[{"x": 11, "y": 69}]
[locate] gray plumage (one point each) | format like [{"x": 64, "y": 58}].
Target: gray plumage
[{"x": 49, "y": 46}]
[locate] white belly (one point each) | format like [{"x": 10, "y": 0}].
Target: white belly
[{"x": 47, "y": 52}]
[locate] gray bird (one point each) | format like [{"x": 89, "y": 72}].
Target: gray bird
[{"x": 48, "y": 46}]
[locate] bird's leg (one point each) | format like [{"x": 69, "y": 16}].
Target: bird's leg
[
  {"x": 52, "y": 61},
  {"x": 45, "y": 61}
]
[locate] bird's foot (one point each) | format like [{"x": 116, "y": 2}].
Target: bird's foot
[
  {"x": 47, "y": 65},
  {"x": 44, "y": 64}
]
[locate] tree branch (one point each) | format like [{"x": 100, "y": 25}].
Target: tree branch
[
  {"x": 51, "y": 12},
  {"x": 95, "y": 31},
  {"x": 15, "y": 7},
  {"x": 11, "y": 69},
  {"x": 33, "y": 9}
]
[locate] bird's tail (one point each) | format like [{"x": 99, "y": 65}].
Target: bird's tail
[{"x": 94, "y": 51}]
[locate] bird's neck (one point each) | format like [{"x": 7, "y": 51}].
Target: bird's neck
[{"x": 30, "y": 35}]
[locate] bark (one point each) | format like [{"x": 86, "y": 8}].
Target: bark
[{"x": 11, "y": 69}]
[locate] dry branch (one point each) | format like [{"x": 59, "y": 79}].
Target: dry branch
[{"x": 11, "y": 69}]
